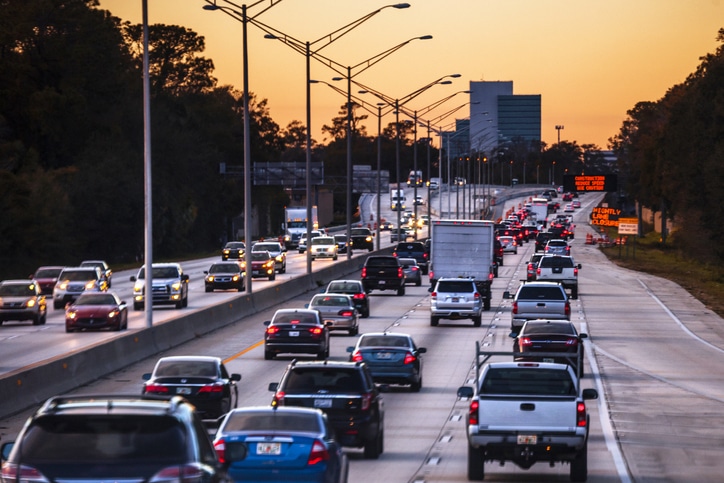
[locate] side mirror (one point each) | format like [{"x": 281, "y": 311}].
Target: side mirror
[
  {"x": 431, "y": 289},
  {"x": 465, "y": 392},
  {"x": 133, "y": 278},
  {"x": 422, "y": 350},
  {"x": 513, "y": 335},
  {"x": 267, "y": 322},
  {"x": 507, "y": 295},
  {"x": 273, "y": 386},
  {"x": 579, "y": 266},
  {"x": 350, "y": 349}
]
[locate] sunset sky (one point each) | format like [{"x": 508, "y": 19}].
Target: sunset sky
[{"x": 591, "y": 60}]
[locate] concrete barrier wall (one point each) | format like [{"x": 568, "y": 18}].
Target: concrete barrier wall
[{"x": 32, "y": 385}]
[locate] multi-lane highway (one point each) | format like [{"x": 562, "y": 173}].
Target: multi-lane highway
[{"x": 654, "y": 354}]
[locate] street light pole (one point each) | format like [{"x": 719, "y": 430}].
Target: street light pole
[{"x": 558, "y": 128}]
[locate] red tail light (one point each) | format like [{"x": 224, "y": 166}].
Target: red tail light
[
  {"x": 188, "y": 472},
  {"x": 156, "y": 388},
  {"x": 358, "y": 296},
  {"x": 316, "y": 330},
  {"x": 357, "y": 357},
  {"x": 433, "y": 295},
  {"x": 575, "y": 272},
  {"x": 400, "y": 273},
  {"x": 537, "y": 271},
  {"x": 409, "y": 358},
  {"x": 424, "y": 255},
  {"x": 394, "y": 254},
  {"x": 220, "y": 447},
  {"x": 278, "y": 398},
  {"x": 491, "y": 276},
  {"x": 568, "y": 309},
  {"x": 364, "y": 272},
  {"x": 476, "y": 296},
  {"x": 473, "y": 412},
  {"x": 318, "y": 454},
  {"x": 414, "y": 269},
  {"x": 515, "y": 307},
  {"x": 431, "y": 274},
  {"x": 272, "y": 329},
  {"x": 572, "y": 341},
  {"x": 366, "y": 401},
  {"x": 346, "y": 313},
  {"x": 211, "y": 388},
  {"x": 525, "y": 342},
  {"x": 581, "y": 414}
]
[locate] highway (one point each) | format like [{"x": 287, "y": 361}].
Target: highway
[{"x": 654, "y": 354}]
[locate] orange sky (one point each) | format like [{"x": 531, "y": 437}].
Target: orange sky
[{"x": 591, "y": 60}]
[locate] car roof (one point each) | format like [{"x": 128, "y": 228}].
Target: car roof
[{"x": 191, "y": 358}]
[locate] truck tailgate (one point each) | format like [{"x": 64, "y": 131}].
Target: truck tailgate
[{"x": 540, "y": 414}]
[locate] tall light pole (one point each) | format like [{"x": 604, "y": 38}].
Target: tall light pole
[
  {"x": 558, "y": 128},
  {"x": 148, "y": 216},
  {"x": 305, "y": 48},
  {"x": 244, "y": 19}
]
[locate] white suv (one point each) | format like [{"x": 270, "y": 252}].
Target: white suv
[
  {"x": 74, "y": 281},
  {"x": 455, "y": 298}
]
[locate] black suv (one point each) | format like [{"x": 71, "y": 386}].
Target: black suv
[
  {"x": 361, "y": 239},
  {"x": 383, "y": 272},
  {"x": 346, "y": 392},
  {"x": 354, "y": 289},
  {"x": 541, "y": 239},
  {"x": 113, "y": 438},
  {"x": 414, "y": 250}
]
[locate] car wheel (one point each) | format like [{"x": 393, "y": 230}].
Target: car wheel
[
  {"x": 301, "y": 251},
  {"x": 224, "y": 407},
  {"x": 44, "y": 318},
  {"x": 284, "y": 268},
  {"x": 57, "y": 305},
  {"x": 334, "y": 258},
  {"x": 354, "y": 331},
  {"x": 38, "y": 319},
  {"x": 209, "y": 289},
  {"x": 476, "y": 464},
  {"x": 401, "y": 291},
  {"x": 268, "y": 355},
  {"x": 366, "y": 313},
  {"x": 273, "y": 276},
  {"x": 574, "y": 293},
  {"x": 373, "y": 448},
  {"x": 137, "y": 306},
  {"x": 68, "y": 331},
  {"x": 434, "y": 321},
  {"x": 416, "y": 386},
  {"x": 477, "y": 321},
  {"x": 180, "y": 304},
  {"x": 579, "y": 465},
  {"x": 486, "y": 304}
]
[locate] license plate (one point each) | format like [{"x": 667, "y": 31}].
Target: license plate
[
  {"x": 294, "y": 333},
  {"x": 269, "y": 448},
  {"x": 548, "y": 359},
  {"x": 381, "y": 282},
  {"x": 183, "y": 390},
  {"x": 255, "y": 272},
  {"x": 455, "y": 299},
  {"x": 384, "y": 355},
  {"x": 322, "y": 403},
  {"x": 527, "y": 439}
]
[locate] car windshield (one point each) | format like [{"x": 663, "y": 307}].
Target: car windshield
[
  {"x": 96, "y": 299},
  {"x": 224, "y": 268},
  {"x": 93, "y": 440},
  {"x": 235, "y": 245},
  {"x": 323, "y": 240},
  {"x": 185, "y": 368},
  {"x": 272, "y": 420},
  {"x": 79, "y": 275},
  {"x": 161, "y": 272},
  {"x": 17, "y": 289}
]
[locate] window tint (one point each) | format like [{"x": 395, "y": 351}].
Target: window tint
[
  {"x": 549, "y": 328},
  {"x": 541, "y": 382},
  {"x": 455, "y": 286},
  {"x": 300, "y": 318},
  {"x": 274, "y": 421},
  {"x": 556, "y": 262},
  {"x": 542, "y": 293},
  {"x": 329, "y": 380},
  {"x": 382, "y": 262}
]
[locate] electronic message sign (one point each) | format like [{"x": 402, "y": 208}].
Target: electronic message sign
[
  {"x": 582, "y": 182},
  {"x": 605, "y": 216}
]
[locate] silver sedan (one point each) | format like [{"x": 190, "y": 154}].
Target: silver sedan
[{"x": 337, "y": 311}]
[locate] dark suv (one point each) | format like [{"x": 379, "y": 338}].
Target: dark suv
[
  {"x": 361, "y": 239},
  {"x": 346, "y": 392},
  {"x": 354, "y": 289},
  {"x": 113, "y": 438},
  {"x": 383, "y": 272},
  {"x": 414, "y": 250}
]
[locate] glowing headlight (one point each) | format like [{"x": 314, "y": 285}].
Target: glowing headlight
[
  {"x": 30, "y": 303},
  {"x": 71, "y": 314},
  {"x": 176, "y": 286},
  {"x": 113, "y": 313},
  {"x": 63, "y": 285},
  {"x": 210, "y": 278},
  {"x": 90, "y": 285}
]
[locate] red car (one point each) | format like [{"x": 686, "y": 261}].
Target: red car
[
  {"x": 46, "y": 278},
  {"x": 96, "y": 310}
]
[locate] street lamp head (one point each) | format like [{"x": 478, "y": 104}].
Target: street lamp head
[
  {"x": 401, "y": 5},
  {"x": 268, "y": 36},
  {"x": 425, "y": 37},
  {"x": 445, "y": 82},
  {"x": 338, "y": 78},
  {"x": 455, "y": 75},
  {"x": 211, "y": 7}
]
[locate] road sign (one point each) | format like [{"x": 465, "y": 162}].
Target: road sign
[{"x": 628, "y": 226}]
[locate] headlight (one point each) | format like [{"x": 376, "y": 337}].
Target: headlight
[
  {"x": 176, "y": 286},
  {"x": 138, "y": 288},
  {"x": 369, "y": 239},
  {"x": 30, "y": 303},
  {"x": 235, "y": 278},
  {"x": 280, "y": 258},
  {"x": 71, "y": 314},
  {"x": 210, "y": 278},
  {"x": 63, "y": 285},
  {"x": 114, "y": 313},
  {"x": 90, "y": 285}
]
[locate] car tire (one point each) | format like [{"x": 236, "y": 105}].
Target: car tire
[
  {"x": 401, "y": 291},
  {"x": 38, "y": 319},
  {"x": 224, "y": 407},
  {"x": 476, "y": 464},
  {"x": 68, "y": 331},
  {"x": 366, "y": 313},
  {"x": 57, "y": 305},
  {"x": 284, "y": 268},
  {"x": 180, "y": 304},
  {"x": 268, "y": 355},
  {"x": 574, "y": 292},
  {"x": 486, "y": 303},
  {"x": 209, "y": 289},
  {"x": 137, "y": 306},
  {"x": 373, "y": 448},
  {"x": 416, "y": 386},
  {"x": 579, "y": 465},
  {"x": 334, "y": 258},
  {"x": 418, "y": 283},
  {"x": 434, "y": 321}
]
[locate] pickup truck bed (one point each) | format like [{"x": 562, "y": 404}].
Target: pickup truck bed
[{"x": 538, "y": 300}]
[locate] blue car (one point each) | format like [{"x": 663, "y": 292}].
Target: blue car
[{"x": 280, "y": 444}]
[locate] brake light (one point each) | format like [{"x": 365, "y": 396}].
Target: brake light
[
  {"x": 346, "y": 313},
  {"x": 364, "y": 272},
  {"x": 581, "y": 414},
  {"x": 575, "y": 272},
  {"x": 424, "y": 255},
  {"x": 409, "y": 358},
  {"x": 316, "y": 330},
  {"x": 278, "y": 398},
  {"x": 572, "y": 341},
  {"x": 433, "y": 295},
  {"x": 394, "y": 254},
  {"x": 13, "y": 472},
  {"x": 272, "y": 329},
  {"x": 188, "y": 473},
  {"x": 358, "y": 296},
  {"x": 525, "y": 342},
  {"x": 156, "y": 388},
  {"x": 366, "y": 401},
  {"x": 318, "y": 454},
  {"x": 432, "y": 275},
  {"x": 211, "y": 388},
  {"x": 515, "y": 307},
  {"x": 357, "y": 357},
  {"x": 568, "y": 308},
  {"x": 220, "y": 448},
  {"x": 476, "y": 295},
  {"x": 491, "y": 276},
  {"x": 473, "y": 412},
  {"x": 400, "y": 273},
  {"x": 414, "y": 269}
]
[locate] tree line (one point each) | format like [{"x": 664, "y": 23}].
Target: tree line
[
  {"x": 671, "y": 157},
  {"x": 72, "y": 142}
]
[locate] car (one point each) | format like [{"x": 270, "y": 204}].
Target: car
[
  {"x": 531, "y": 273},
  {"x": 425, "y": 219},
  {"x": 392, "y": 357},
  {"x": 106, "y": 271},
  {"x": 576, "y": 204},
  {"x": 557, "y": 246},
  {"x": 323, "y": 247},
  {"x": 277, "y": 251},
  {"x": 22, "y": 300},
  {"x": 296, "y": 331},
  {"x": 413, "y": 249},
  {"x": 455, "y": 298},
  {"x": 541, "y": 239},
  {"x": 233, "y": 250},
  {"x": 281, "y": 444},
  {"x": 568, "y": 208},
  {"x": 509, "y": 244},
  {"x": 46, "y": 277},
  {"x": 302, "y": 246},
  {"x": 412, "y": 271},
  {"x": 362, "y": 239},
  {"x": 95, "y": 311},
  {"x": 337, "y": 311},
  {"x": 346, "y": 392},
  {"x": 204, "y": 381},
  {"x": 90, "y": 437},
  {"x": 354, "y": 289},
  {"x": 550, "y": 338},
  {"x": 386, "y": 225},
  {"x": 341, "y": 241},
  {"x": 224, "y": 276},
  {"x": 170, "y": 286},
  {"x": 383, "y": 272},
  {"x": 262, "y": 265},
  {"x": 73, "y": 281},
  {"x": 419, "y": 200},
  {"x": 401, "y": 234}
]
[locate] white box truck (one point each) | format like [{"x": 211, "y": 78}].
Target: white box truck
[
  {"x": 463, "y": 249},
  {"x": 295, "y": 224},
  {"x": 539, "y": 211}
]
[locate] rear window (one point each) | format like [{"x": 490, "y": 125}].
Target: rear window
[
  {"x": 411, "y": 247},
  {"x": 541, "y": 293},
  {"x": 272, "y": 421},
  {"x": 297, "y": 318},
  {"x": 382, "y": 262},
  {"x": 331, "y": 380},
  {"x": 90, "y": 440},
  {"x": 555, "y": 262},
  {"x": 532, "y": 381},
  {"x": 549, "y": 328},
  {"x": 455, "y": 286},
  {"x": 344, "y": 287}
]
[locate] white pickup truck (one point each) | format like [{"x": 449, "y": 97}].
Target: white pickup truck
[
  {"x": 526, "y": 412},
  {"x": 561, "y": 269},
  {"x": 538, "y": 300}
]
